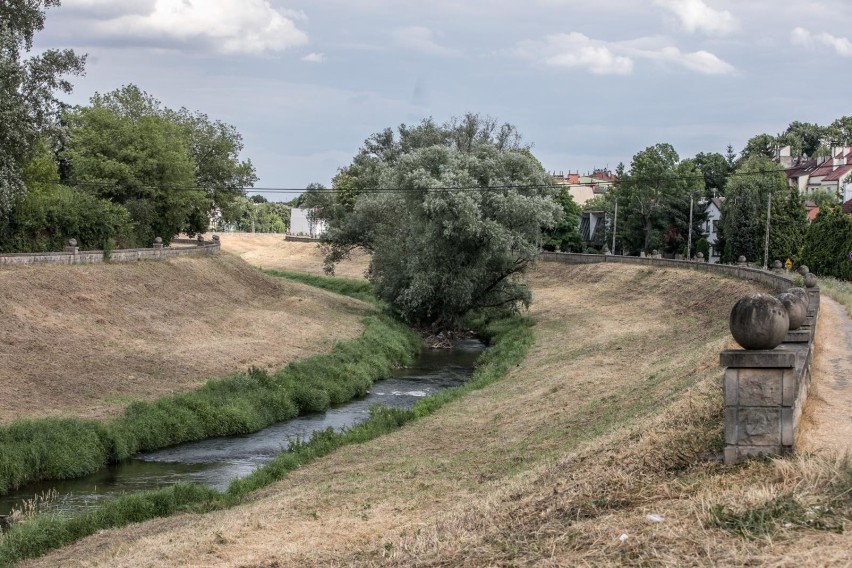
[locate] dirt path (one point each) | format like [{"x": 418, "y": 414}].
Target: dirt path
[{"x": 829, "y": 406}]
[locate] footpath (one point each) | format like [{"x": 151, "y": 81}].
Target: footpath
[{"x": 829, "y": 407}]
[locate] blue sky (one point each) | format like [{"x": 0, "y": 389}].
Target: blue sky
[{"x": 588, "y": 84}]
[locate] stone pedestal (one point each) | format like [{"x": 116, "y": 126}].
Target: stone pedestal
[{"x": 760, "y": 394}]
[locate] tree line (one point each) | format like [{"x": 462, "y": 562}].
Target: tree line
[{"x": 117, "y": 172}]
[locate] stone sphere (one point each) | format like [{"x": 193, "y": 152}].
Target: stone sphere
[
  {"x": 700, "y": 256},
  {"x": 777, "y": 265},
  {"x": 741, "y": 259},
  {"x": 810, "y": 280},
  {"x": 801, "y": 293},
  {"x": 803, "y": 270},
  {"x": 72, "y": 242},
  {"x": 654, "y": 252},
  {"x": 796, "y": 308},
  {"x": 158, "y": 240},
  {"x": 759, "y": 321}
]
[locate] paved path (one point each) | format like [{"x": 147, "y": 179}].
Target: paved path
[{"x": 829, "y": 406}]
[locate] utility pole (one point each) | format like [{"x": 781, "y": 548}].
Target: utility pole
[
  {"x": 766, "y": 242},
  {"x": 614, "y": 225},
  {"x": 689, "y": 238}
]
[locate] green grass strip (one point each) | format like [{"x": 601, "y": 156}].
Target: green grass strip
[
  {"x": 359, "y": 289},
  {"x": 509, "y": 342},
  {"x": 51, "y": 448}
]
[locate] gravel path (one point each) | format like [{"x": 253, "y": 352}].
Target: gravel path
[{"x": 829, "y": 406}]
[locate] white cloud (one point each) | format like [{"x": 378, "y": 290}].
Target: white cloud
[
  {"x": 225, "y": 26},
  {"x": 841, "y": 45},
  {"x": 576, "y": 50},
  {"x": 579, "y": 51},
  {"x": 419, "y": 38},
  {"x": 314, "y": 57},
  {"x": 697, "y": 16}
]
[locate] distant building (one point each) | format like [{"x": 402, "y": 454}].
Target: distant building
[
  {"x": 710, "y": 230},
  {"x": 584, "y": 187},
  {"x": 831, "y": 174},
  {"x": 303, "y": 223}
]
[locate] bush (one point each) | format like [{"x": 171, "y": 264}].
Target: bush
[
  {"x": 827, "y": 244},
  {"x": 47, "y": 217}
]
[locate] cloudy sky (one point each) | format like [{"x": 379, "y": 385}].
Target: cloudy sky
[{"x": 588, "y": 83}]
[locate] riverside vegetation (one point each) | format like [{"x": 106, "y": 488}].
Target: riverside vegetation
[
  {"x": 243, "y": 403},
  {"x": 596, "y": 429}
]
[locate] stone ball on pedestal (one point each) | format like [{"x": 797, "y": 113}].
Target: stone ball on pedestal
[
  {"x": 796, "y": 308},
  {"x": 810, "y": 280},
  {"x": 801, "y": 293},
  {"x": 759, "y": 321},
  {"x": 803, "y": 270}
]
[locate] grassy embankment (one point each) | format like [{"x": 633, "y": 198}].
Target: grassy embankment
[
  {"x": 615, "y": 414},
  {"x": 510, "y": 341}
]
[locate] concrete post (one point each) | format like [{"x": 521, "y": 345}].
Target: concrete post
[
  {"x": 760, "y": 393},
  {"x": 158, "y": 243},
  {"x": 72, "y": 246}
]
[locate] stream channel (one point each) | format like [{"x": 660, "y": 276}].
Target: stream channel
[{"x": 217, "y": 461}]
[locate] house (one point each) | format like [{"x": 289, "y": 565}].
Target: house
[
  {"x": 832, "y": 174},
  {"x": 303, "y": 223},
  {"x": 585, "y": 187},
  {"x": 710, "y": 230}
]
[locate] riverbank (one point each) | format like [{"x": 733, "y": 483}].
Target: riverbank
[
  {"x": 614, "y": 415},
  {"x": 86, "y": 341}
]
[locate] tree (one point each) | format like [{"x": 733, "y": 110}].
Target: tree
[
  {"x": 171, "y": 169},
  {"x": 565, "y": 235},
  {"x": 653, "y": 196},
  {"x": 828, "y": 243},
  {"x": 744, "y": 211},
  {"x": 803, "y": 137},
  {"x": 839, "y": 132},
  {"x": 762, "y": 145},
  {"x": 715, "y": 169},
  {"x": 457, "y": 219},
  {"x": 28, "y": 105}
]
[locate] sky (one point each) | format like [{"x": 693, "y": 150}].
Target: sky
[{"x": 588, "y": 83}]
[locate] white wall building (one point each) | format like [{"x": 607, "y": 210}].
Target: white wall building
[
  {"x": 303, "y": 224},
  {"x": 710, "y": 230}
]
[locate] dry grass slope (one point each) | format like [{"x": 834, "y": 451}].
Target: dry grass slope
[
  {"x": 615, "y": 415},
  {"x": 85, "y": 341}
]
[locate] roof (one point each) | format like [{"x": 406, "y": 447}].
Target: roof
[
  {"x": 802, "y": 169},
  {"x": 827, "y": 167},
  {"x": 847, "y": 207},
  {"x": 812, "y": 212},
  {"x": 718, "y": 202},
  {"x": 839, "y": 173}
]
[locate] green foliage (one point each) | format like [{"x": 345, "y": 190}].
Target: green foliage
[
  {"x": 715, "y": 168},
  {"x": 702, "y": 246},
  {"x": 744, "y": 212},
  {"x": 438, "y": 252},
  {"x": 59, "y": 449},
  {"x": 803, "y": 137},
  {"x": 169, "y": 169},
  {"x": 759, "y": 146},
  {"x": 28, "y": 105},
  {"x": 839, "y": 132},
  {"x": 827, "y": 244},
  {"x": 254, "y": 216},
  {"x": 654, "y": 200},
  {"x": 359, "y": 289},
  {"x": 565, "y": 235},
  {"x": 44, "y": 221},
  {"x": 767, "y": 520}
]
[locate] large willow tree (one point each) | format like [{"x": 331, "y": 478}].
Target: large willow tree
[{"x": 451, "y": 214}]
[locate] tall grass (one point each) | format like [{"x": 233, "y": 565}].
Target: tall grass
[
  {"x": 509, "y": 342},
  {"x": 839, "y": 291},
  {"x": 359, "y": 289},
  {"x": 34, "y": 450}
]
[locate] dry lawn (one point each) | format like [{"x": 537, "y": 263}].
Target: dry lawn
[
  {"x": 614, "y": 415},
  {"x": 86, "y": 340},
  {"x": 272, "y": 251}
]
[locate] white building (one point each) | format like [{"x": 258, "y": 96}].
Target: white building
[
  {"x": 710, "y": 230},
  {"x": 302, "y": 223}
]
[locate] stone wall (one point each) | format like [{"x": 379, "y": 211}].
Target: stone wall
[
  {"x": 73, "y": 256},
  {"x": 772, "y": 280}
]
